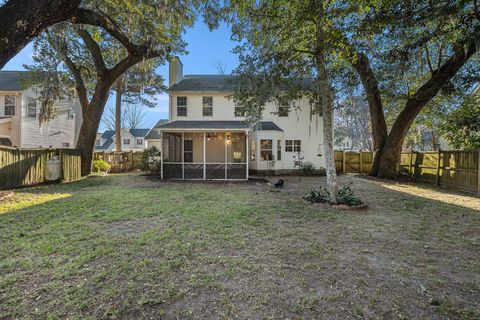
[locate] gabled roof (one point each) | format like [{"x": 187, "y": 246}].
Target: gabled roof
[
  {"x": 108, "y": 134},
  {"x": 214, "y": 83},
  {"x": 220, "y": 125},
  {"x": 11, "y": 80},
  {"x": 105, "y": 146},
  {"x": 154, "y": 133},
  {"x": 139, "y": 132}
]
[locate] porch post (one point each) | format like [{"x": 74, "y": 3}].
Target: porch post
[
  {"x": 183, "y": 155},
  {"x": 162, "y": 153},
  {"x": 204, "y": 155},
  {"x": 226, "y": 157},
  {"x": 247, "y": 146}
]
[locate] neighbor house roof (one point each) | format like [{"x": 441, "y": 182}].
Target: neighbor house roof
[
  {"x": 154, "y": 133},
  {"x": 220, "y": 125},
  {"x": 108, "y": 134},
  {"x": 105, "y": 146},
  {"x": 11, "y": 80},
  {"x": 220, "y": 83},
  {"x": 139, "y": 132}
]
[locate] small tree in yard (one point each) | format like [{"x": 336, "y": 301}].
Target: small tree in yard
[
  {"x": 287, "y": 41},
  {"x": 119, "y": 35}
]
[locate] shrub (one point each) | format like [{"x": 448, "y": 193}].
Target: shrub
[
  {"x": 151, "y": 160},
  {"x": 99, "y": 165},
  {"x": 345, "y": 196},
  {"x": 307, "y": 169}
]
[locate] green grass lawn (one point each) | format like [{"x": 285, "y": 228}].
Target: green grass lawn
[{"x": 129, "y": 247}]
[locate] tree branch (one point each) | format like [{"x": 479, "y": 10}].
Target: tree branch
[
  {"x": 94, "y": 49},
  {"x": 61, "y": 48}
]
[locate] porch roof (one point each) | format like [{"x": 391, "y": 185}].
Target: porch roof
[{"x": 216, "y": 125}]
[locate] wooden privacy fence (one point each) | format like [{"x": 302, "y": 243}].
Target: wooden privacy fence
[
  {"x": 456, "y": 169},
  {"x": 130, "y": 160},
  {"x": 25, "y": 167}
]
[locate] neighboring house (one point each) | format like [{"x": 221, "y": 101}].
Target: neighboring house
[
  {"x": 19, "y": 112},
  {"x": 132, "y": 140},
  {"x": 207, "y": 137}
]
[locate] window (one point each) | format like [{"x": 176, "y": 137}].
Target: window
[
  {"x": 126, "y": 141},
  {"x": 97, "y": 142},
  {"x": 139, "y": 142},
  {"x": 188, "y": 151},
  {"x": 239, "y": 111},
  {"x": 66, "y": 145},
  {"x": 293, "y": 145},
  {"x": 31, "y": 108},
  {"x": 252, "y": 149},
  {"x": 283, "y": 111},
  {"x": 207, "y": 106},
  {"x": 266, "y": 150},
  {"x": 279, "y": 150},
  {"x": 181, "y": 106},
  {"x": 9, "y": 105}
]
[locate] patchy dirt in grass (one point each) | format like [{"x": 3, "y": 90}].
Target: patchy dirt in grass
[
  {"x": 184, "y": 250},
  {"x": 133, "y": 226}
]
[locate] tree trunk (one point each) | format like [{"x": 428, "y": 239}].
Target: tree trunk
[
  {"x": 90, "y": 124},
  {"x": 22, "y": 20},
  {"x": 377, "y": 118},
  {"x": 118, "y": 115},
  {"x": 325, "y": 94}
]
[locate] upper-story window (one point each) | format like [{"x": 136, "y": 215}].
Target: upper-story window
[
  {"x": 139, "y": 142},
  {"x": 97, "y": 142},
  {"x": 283, "y": 111},
  {"x": 239, "y": 111},
  {"x": 181, "y": 106},
  {"x": 9, "y": 105},
  {"x": 31, "y": 108},
  {"x": 126, "y": 141},
  {"x": 207, "y": 106}
]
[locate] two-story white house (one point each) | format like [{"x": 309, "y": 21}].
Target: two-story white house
[
  {"x": 132, "y": 140},
  {"x": 19, "y": 112},
  {"x": 207, "y": 137}
]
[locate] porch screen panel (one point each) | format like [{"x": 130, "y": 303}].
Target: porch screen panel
[
  {"x": 215, "y": 148},
  {"x": 193, "y": 155},
  {"x": 215, "y": 171},
  {"x": 172, "y": 147},
  {"x": 236, "y": 148},
  {"x": 236, "y": 171}
]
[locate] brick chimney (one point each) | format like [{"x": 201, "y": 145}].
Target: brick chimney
[{"x": 175, "y": 71}]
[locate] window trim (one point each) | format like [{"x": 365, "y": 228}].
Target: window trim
[
  {"x": 285, "y": 111},
  {"x": 9, "y": 105},
  {"x": 239, "y": 114},
  {"x": 182, "y": 110},
  {"x": 29, "y": 108},
  {"x": 266, "y": 149},
  {"x": 207, "y": 106},
  {"x": 293, "y": 146},
  {"x": 141, "y": 141}
]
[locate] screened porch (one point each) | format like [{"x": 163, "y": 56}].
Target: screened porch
[{"x": 204, "y": 155}]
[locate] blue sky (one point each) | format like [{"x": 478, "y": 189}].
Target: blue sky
[{"x": 204, "y": 49}]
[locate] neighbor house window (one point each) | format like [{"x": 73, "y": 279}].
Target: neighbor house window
[
  {"x": 207, "y": 106},
  {"x": 266, "y": 153},
  {"x": 139, "y": 142},
  {"x": 126, "y": 141},
  {"x": 181, "y": 106},
  {"x": 66, "y": 145},
  {"x": 283, "y": 111},
  {"x": 293, "y": 145},
  {"x": 9, "y": 105},
  {"x": 239, "y": 111},
  {"x": 31, "y": 108},
  {"x": 279, "y": 150},
  {"x": 97, "y": 142}
]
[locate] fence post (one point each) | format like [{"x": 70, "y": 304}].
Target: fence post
[
  {"x": 343, "y": 161},
  {"x": 478, "y": 171},
  {"x": 410, "y": 172},
  {"x": 437, "y": 177}
]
